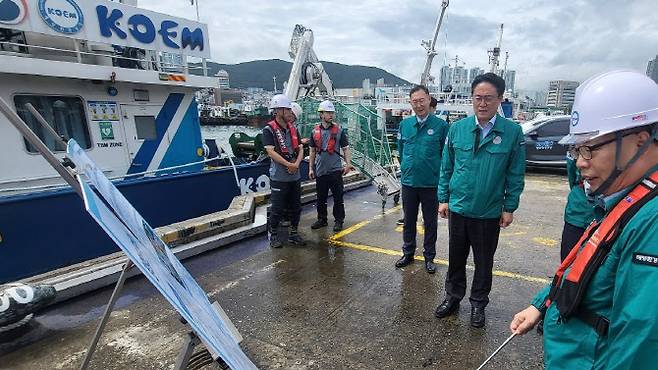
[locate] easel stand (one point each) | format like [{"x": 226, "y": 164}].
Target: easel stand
[
  {"x": 189, "y": 361},
  {"x": 185, "y": 360}
]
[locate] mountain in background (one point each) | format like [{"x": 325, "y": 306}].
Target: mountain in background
[{"x": 259, "y": 73}]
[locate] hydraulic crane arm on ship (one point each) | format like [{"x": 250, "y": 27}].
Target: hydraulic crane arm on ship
[
  {"x": 307, "y": 76},
  {"x": 425, "y": 78}
]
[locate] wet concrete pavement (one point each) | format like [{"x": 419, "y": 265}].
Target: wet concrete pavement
[{"x": 330, "y": 305}]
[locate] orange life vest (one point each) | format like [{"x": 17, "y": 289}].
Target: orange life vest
[
  {"x": 591, "y": 250},
  {"x": 317, "y": 138},
  {"x": 280, "y": 139}
]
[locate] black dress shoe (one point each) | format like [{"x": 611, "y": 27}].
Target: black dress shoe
[
  {"x": 448, "y": 307},
  {"x": 404, "y": 261},
  {"x": 430, "y": 267},
  {"x": 478, "y": 318}
]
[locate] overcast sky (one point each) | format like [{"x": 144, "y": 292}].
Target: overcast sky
[{"x": 546, "y": 40}]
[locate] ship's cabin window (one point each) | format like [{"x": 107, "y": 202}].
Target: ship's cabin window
[
  {"x": 145, "y": 127},
  {"x": 65, "y": 114}
]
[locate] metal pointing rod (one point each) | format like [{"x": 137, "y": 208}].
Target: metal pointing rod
[{"x": 496, "y": 351}]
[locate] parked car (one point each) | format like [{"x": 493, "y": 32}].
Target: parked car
[{"x": 541, "y": 141}]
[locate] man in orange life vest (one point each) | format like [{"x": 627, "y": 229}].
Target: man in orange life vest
[
  {"x": 285, "y": 151},
  {"x": 326, "y": 143},
  {"x": 601, "y": 311}
]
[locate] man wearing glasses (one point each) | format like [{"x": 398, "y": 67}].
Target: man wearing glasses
[
  {"x": 481, "y": 181},
  {"x": 601, "y": 311},
  {"x": 420, "y": 142}
]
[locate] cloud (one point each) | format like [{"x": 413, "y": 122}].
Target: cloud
[{"x": 546, "y": 40}]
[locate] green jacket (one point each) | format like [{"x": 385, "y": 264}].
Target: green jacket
[
  {"x": 579, "y": 211},
  {"x": 482, "y": 182},
  {"x": 622, "y": 290},
  {"x": 420, "y": 148}
]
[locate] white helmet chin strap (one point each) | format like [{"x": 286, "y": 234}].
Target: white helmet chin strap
[{"x": 618, "y": 168}]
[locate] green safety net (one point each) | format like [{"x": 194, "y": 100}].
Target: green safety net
[{"x": 366, "y": 131}]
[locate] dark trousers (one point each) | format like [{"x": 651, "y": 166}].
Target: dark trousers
[
  {"x": 286, "y": 197},
  {"x": 570, "y": 236},
  {"x": 482, "y": 236},
  {"x": 427, "y": 199},
  {"x": 334, "y": 182}
]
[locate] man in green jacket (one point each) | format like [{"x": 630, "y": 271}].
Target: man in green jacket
[
  {"x": 420, "y": 142},
  {"x": 613, "y": 323},
  {"x": 481, "y": 181}
]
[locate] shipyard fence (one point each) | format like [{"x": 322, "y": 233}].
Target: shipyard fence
[{"x": 369, "y": 145}]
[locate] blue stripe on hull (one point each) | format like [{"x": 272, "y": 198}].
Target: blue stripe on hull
[
  {"x": 183, "y": 147},
  {"x": 146, "y": 152},
  {"x": 49, "y": 230}
]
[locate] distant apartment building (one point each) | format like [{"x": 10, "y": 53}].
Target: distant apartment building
[
  {"x": 540, "y": 98},
  {"x": 457, "y": 78},
  {"x": 474, "y": 72},
  {"x": 561, "y": 93},
  {"x": 224, "y": 82},
  {"x": 652, "y": 69}
]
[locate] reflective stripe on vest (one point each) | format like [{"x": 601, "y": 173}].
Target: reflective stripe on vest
[{"x": 317, "y": 138}]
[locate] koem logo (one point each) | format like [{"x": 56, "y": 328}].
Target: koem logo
[
  {"x": 12, "y": 11},
  {"x": 64, "y": 16}
]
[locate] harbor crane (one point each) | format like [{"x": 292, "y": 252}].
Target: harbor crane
[
  {"x": 430, "y": 45},
  {"x": 307, "y": 76}
]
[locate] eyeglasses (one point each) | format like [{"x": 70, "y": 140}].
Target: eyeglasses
[
  {"x": 586, "y": 150},
  {"x": 487, "y": 99},
  {"x": 419, "y": 101}
]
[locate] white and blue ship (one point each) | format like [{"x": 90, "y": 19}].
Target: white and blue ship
[{"x": 116, "y": 79}]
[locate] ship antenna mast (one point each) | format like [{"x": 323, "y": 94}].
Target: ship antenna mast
[{"x": 430, "y": 46}]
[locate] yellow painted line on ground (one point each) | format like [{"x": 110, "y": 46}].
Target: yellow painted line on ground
[
  {"x": 361, "y": 224},
  {"x": 518, "y": 233},
  {"x": 545, "y": 241},
  {"x": 334, "y": 239},
  {"x": 513, "y": 275},
  {"x": 438, "y": 261},
  {"x": 420, "y": 229}
]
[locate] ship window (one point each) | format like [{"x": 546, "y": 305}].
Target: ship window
[
  {"x": 145, "y": 127},
  {"x": 65, "y": 114}
]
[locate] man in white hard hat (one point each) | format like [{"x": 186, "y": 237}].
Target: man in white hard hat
[
  {"x": 328, "y": 140},
  {"x": 286, "y": 152},
  {"x": 601, "y": 311},
  {"x": 296, "y": 110}
]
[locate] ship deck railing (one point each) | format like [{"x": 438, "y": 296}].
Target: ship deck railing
[{"x": 150, "y": 62}]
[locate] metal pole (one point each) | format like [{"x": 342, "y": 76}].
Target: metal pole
[
  {"x": 106, "y": 315},
  {"x": 197, "y": 10},
  {"x": 496, "y": 351},
  {"x": 25, "y": 130}
]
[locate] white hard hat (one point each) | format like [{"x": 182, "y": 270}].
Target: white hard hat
[
  {"x": 280, "y": 101},
  {"x": 611, "y": 102},
  {"x": 326, "y": 106},
  {"x": 296, "y": 109}
]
